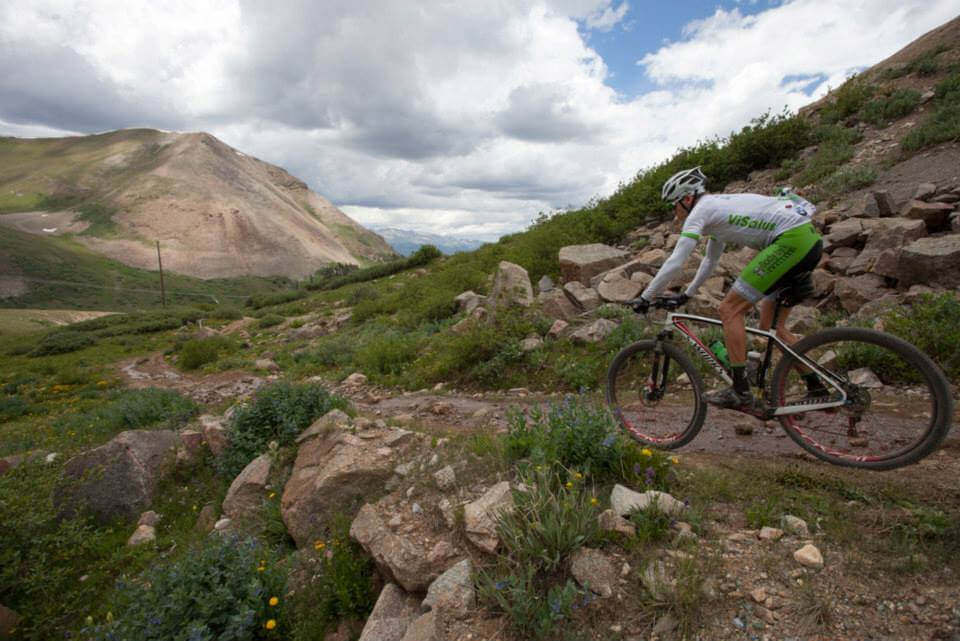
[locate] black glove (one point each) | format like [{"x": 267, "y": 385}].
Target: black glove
[
  {"x": 673, "y": 302},
  {"x": 640, "y": 305}
]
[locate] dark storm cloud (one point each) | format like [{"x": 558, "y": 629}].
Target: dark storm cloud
[
  {"x": 541, "y": 113},
  {"x": 55, "y": 87}
]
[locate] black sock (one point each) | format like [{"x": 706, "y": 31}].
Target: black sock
[
  {"x": 813, "y": 382},
  {"x": 740, "y": 383}
]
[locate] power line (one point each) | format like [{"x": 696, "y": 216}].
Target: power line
[{"x": 127, "y": 289}]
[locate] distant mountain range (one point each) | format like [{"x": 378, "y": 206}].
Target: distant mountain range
[{"x": 406, "y": 242}]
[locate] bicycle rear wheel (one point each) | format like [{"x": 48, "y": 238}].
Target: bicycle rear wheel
[
  {"x": 898, "y": 406},
  {"x": 656, "y": 397}
]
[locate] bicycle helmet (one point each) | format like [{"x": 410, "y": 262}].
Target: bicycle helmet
[{"x": 688, "y": 181}]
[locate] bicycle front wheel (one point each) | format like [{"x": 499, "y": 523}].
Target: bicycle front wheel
[
  {"x": 656, "y": 395},
  {"x": 898, "y": 406}
]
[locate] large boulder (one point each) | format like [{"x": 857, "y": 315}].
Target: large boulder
[
  {"x": 246, "y": 494},
  {"x": 623, "y": 501},
  {"x": 935, "y": 216},
  {"x": 511, "y": 286},
  {"x": 584, "y": 298},
  {"x": 396, "y": 556},
  {"x": 845, "y": 233},
  {"x": 556, "y": 304},
  {"x": 618, "y": 288},
  {"x": 393, "y": 613},
  {"x": 469, "y": 301},
  {"x": 120, "y": 478},
  {"x": 594, "y": 332},
  {"x": 931, "y": 260},
  {"x": 334, "y": 472},
  {"x": 853, "y": 293},
  {"x": 453, "y": 592},
  {"x": 583, "y": 262}
]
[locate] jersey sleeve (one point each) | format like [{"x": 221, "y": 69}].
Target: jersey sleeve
[
  {"x": 671, "y": 268},
  {"x": 707, "y": 265},
  {"x": 694, "y": 224}
]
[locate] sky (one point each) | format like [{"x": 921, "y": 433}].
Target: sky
[{"x": 463, "y": 118}]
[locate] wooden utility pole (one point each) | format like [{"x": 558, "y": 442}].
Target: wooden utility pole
[{"x": 163, "y": 291}]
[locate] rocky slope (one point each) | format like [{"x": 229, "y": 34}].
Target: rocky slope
[{"x": 216, "y": 211}]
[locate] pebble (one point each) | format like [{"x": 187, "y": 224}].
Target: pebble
[
  {"x": 809, "y": 556},
  {"x": 740, "y": 625}
]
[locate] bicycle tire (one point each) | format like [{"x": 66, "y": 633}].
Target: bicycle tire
[
  {"x": 632, "y": 408},
  {"x": 890, "y": 422}
]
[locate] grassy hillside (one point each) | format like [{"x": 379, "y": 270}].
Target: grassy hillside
[{"x": 61, "y": 273}]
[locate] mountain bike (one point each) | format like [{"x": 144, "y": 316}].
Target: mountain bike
[{"x": 883, "y": 403}]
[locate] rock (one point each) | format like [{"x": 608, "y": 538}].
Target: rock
[
  {"x": 665, "y": 625},
  {"x": 531, "y": 344},
  {"x": 794, "y": 525},
  {"x": 556, "y": 304},
  {"x": 743, "y": 428},
  {"x": 610, "y": 521},
  {"x": 582, "y": 262},
  {"x": 932, "y": 260},
  {"x": 396, "y": 556},
  {"x": 759, "y": 595},
  {"x": 803, "y": 320},
  {"x": 594, "y": 332},
  {"x": 884, "y": 202},
  {"x": 845, "y": 233},
  {"x": 117, "y": 479},
  {"x": 149, "y": 517},
  {"x": 267, "y": 364},
  {"x": 391, "y": 616},
  {"x": 423, "y": 628},
  {"x": 556, "y": 330},
  {"x": 924, "y": 191},
  {"x": 854, "y": 292},
  {"x": 222, "y": 525},
  {"x": 143, "y": 534},
  {"x": 545, "y": 284},
  {"x": 655, "y": 579},
  {"x": 453, "y": 593},
  {"x": 935, "y": 216},
  {"x": 445, "y": 478},
  {"x": 770, "y": 534},
  {"x": 865, "y": 377},
  {"x": 478, "y": 315},
  {"x": 9, "y": 620},
  {"x": 617, "y": 288},
  {"x": 323, "y": 426},
  {"x": 334, "y": 473},
  {"x": 356, "y": 379},
  {"x": 469, "y": 301},
  {"x": 245, "y": 497},
  {"x": 480, "y": 516},
  {"x": 593, "y": 570},
  {"x": 623, "y": 501},
  {"x": 511, "y": 286},
  {"x": 809, "y": 556},
  {"x": 583, "y": 297},
  {"x": 955, "y": 222},
  {"x": 206, "y": 519},
  {"x": 214, "y": 433},
  {"x": 653, "y": 257}
]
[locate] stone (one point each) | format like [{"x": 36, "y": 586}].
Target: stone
[
  {"x": 556, "y": 304},
  {"x": 584, "y": 298},
  {"x": 770, "y": 534},
  {"x": 803, "y": 319},
  {"x": 931, "y": 261},
  {"x": 924, "y": 191},
  {"x": 445, "y": 478},
  {"x": 214, "y": 433},
  {"x": 206, "y": 519},
  {"x": 655, "y": 579},
  {"x": 332, "y": 420},
  {"x": 593, "y": 570},
  {"x": 845, "y": 233},
  {"x": 955, "y": 222},
  {"x": 391, "y": 616},
  {"x": 357, "y": 379},
  {"x": 794, "y": 525},
  {"x": 653, "y": 257},
  {"x": 582, "y": 262},
  {"x": 511, "y": 286},
  {"x": 809, "y": 556},
  {"x": 545, "y": 284},
  {"x": 267, "y": 364},
  {"x": 885, "y": 205},
  {"x": 865, "y": 377},
  {"x": 453, "y": 592},
  {"x": 531, "y": 344},
  {"x": 143, "y": 534},
  {"x": 617, "y": 288},
  {"x": 480, "y": 516},
  {"x": 623, "y": 501},
  {"x": 743, "y": 428},
  {"x": 423, "y": 628},
  {"x": 333, "y": 473},
  {"x": 119, "y": 478},
  {"x": 935, "y": 216},
  {"x": 247, "y": 492},
  {"x": 610, "y": 521},
  {"x": 396, "y": 556},
  {"x": 469, "y": 301},
  {"x": 149, "y": 518},
  {"x": 759, "y": 595},
  {"x": 556, "y": 330},
  {"x": 594, "y": 332},
  {"x": 852, "y": 293}
]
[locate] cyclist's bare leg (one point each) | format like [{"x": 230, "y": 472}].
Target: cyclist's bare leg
[
  {"x": 767, "y": 306},
  {"x": 732, "y": 311}
]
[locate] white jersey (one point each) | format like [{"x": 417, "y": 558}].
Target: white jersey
[{"x": 745, "y": 219}]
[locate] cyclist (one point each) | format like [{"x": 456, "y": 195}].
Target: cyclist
[{"x": 790, "y": 249}]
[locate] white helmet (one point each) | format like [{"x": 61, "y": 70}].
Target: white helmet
[{"x": 688, "y": 181}]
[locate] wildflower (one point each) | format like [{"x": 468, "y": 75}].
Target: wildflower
[
  {"x": 270, "y": 624},
  {"x": 273, "y": 601},
  {"x": 261, "y": 569},
  {"x": 272, "y": 494},
  {"x": 646, "y": 451},
  {"x": 610, "y": 440},
  {"x": 577, "y": 476},
  {"x": 674, "y": 460},
  {"x": 594, "y": 500},
  {"x": 650, "y": 475},
  {"x": 569, "y": 485},
  {"x": 499, "y": 585},
  {"x": 319, "y": 545}
]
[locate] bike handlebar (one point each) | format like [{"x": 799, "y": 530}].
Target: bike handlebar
[{"x": 641, "y": 305}]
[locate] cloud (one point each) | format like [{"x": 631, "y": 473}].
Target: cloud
[{"x": 459, "y": 117}]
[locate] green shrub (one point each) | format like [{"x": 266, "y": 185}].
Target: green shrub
[
  {"x": 99, "y": 216},
  {"x": 270, "y": 320},
  {"x": 931, "y": 325},
  {"x": 845, "y": 180},
  {"x": 532, "y": 612},
  {"x": 219, "y": 591},
  {"x": 387, "y": 353},
  {"x": 12, "y": 407},
  {"x": 62, "y": 342},
  {"x": 943, "y": 124},
  {"x": 198, "y": 352},
  {"x": 881, "y": 111},
  {"x": 830, "y": 155},
  {"x": 848, "y": 99},
  {"x": 278, "y": 412},
  {"x": 362, "y": 293},
  {"x": 269, "y": 300},
  {"x": 651, "y": 524},
  {"x": 421, "y": 257}
]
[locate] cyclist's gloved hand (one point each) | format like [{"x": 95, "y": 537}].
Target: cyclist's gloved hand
[
  {"x": 672, "y": 302},
  {"x": 640, "y": 305}
]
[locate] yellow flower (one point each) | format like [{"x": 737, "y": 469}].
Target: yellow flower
[
  {"x": 261, "y": 569},
  {"x": 272, "y": 494},
  {"x": 319, "y": 545},
  {"x": 646, "y": 452},
  {"x": 270, "y": 625},
  {"x": 274, "y": 600},
  {"x": 577, "y": 475},
  {"x": 674, "y": 460},
  {"x": 594, "y": 501},
  {"x": 569, "y": 485}
]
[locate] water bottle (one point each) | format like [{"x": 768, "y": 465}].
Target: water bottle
[{"x": 720, "y": 351}]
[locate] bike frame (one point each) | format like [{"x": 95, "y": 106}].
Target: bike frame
[{"x": 676, "y": 321}]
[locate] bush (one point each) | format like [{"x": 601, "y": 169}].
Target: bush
[
  {"x": 198, "y": 352},
  {"x": 270, "y": 320},
  {"x": 269, "y": 300},
  {"x": 278, "y": 412},
  {"x": 62, "y": 342},
  {"x": 421, "y": 257},
  {"x": 12, "y": 407},
  {"x": 845, "y": 180},
  {"x": 931, "y": 325},
  {"x": 533, "y": 612},
  {"x": 129, "y": 410},
  {"x": 881, "y": 111},
  {"x": 944, "y": 123},
  {"x": 387, "y": 353},
  {"x": 848, "y": 99},
  {"x": 220, "y": 591}
]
